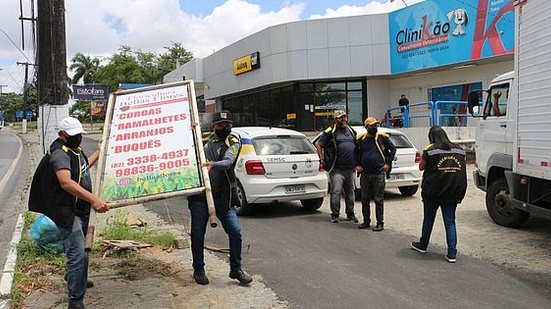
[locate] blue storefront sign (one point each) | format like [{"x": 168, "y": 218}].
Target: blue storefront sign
[{"x": 441, "y": 32}]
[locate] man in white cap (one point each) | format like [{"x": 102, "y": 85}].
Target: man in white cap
[{"x": 72, "y": 198}]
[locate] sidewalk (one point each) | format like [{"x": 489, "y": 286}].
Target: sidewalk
[{"x": 173, "y": 287}]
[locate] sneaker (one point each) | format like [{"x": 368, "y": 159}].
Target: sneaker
[
  {"x": 242, "y": 277},
  {"x": 451, "y": 259},
  {"x": 352, "y": 218},
  {"x": 417, "y": 247},
  {"x": 200, "y": 277},
  {"x": 334, "y": 219},
  {"x": 364, "y": 225},
  {"x": 379, "y": 227},
  {"x": 76, "y": 306}
]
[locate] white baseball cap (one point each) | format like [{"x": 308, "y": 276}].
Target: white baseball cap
[{"x": 71, "y": 126}]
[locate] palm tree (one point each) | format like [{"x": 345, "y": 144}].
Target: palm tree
[{"x": 84, "y": 67}]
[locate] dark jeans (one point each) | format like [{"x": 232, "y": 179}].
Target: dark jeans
[
  {"x": 448, "y": 215},
  {"x": 342, "y": 180},
  {"x": 77, "y": 259},
  {"x": 373, "y": 188},
  {"x": 197, "y": 205}
]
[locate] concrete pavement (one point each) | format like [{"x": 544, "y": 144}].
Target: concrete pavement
[{"x": 176, "y": 289}]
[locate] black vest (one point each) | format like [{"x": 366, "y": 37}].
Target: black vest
[{"x": 445, "y": 175}]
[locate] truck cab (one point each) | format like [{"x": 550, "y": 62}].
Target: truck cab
[{"x": 494, "y": 132}]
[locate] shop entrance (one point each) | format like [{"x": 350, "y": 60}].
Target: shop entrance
[{"x": 318, "y": 102}]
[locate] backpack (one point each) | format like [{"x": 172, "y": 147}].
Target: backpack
[{"x": 44, "y": 178}]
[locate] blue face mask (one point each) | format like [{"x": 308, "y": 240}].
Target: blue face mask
[{"x": 372, "y": 131}]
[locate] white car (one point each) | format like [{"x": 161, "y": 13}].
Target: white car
[
  {"x": 277, "y": 165},
  {"x": 405, "y": 174}
]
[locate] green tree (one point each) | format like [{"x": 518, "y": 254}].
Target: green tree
[
  {"x": 173, "y": 57},
  {"x": 80, "y": 110},
  {"x": 11, "y": 102},
  {"x": 85, "y": 68}
]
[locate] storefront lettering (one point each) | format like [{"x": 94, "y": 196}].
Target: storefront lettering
[{"x": 426, "y": 35}]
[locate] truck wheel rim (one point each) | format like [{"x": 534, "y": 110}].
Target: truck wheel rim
[{"x": 503, "y": 203}]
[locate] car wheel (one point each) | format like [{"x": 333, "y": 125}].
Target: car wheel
[
  {"x": 242, "y": 208},
  {"x": 408, "y": 190},
  {"x": 312, "y": 204},
  {"x": 500, "y": 206}
]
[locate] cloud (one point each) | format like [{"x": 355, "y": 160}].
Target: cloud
[
  {"x": 151, "y": 25},
  {"x": 100, "y": 27},
  {"x": 373, "y": 7}
]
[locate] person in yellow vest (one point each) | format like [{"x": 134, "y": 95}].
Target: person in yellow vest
[
  {"x": 336, "y": 150},
  {"x": 375, "y": 152}
]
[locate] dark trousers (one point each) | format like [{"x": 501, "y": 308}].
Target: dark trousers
[
  {"x": 77, "y": 259},
  {"x": 197, "y": 205},
  {"x": 373, "y": 188},
  {"x": 448, "y": 214}
]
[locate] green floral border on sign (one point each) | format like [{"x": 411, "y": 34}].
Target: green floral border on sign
[{"x": 136, "y": 186}]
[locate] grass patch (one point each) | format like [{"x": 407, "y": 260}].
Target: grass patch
[
  {"x": 119, "y": 229},
  {"x": 37, "y": 268},
  {"x": 34, "y": 265}
]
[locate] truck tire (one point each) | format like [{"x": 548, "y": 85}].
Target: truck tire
[
  {"x": 312, "y": 204},
  {"x": 408, "y": 190},
  {"x": 500, "y": 207},
  {"x": 242, "y": 208}
]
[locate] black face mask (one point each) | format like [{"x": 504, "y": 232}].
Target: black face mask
[
  {"x": 74, "y": 141},
  {"x": 372, "y": 131},
  {"x": 222, "y": 132}
]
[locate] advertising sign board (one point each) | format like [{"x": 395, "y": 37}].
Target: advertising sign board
[
  {"x": 90, "y": 92},
  {"x": 436, "y": 33},
  {"x": 149, "y": 150}
]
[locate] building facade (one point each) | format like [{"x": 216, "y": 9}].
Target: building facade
[{"x": 296, "y": 74}]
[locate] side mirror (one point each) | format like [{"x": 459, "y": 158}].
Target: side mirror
[{"x": 473, "y": 101}]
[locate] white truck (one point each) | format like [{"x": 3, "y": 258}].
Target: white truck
[{"x": 513, "y": 144}]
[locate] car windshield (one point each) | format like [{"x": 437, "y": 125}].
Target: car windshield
[
  {"x": 283, "y": 145},
  {"x": 400, "y": 141}
]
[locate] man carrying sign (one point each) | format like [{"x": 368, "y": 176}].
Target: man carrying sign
[{"x": 221, "y": 151}]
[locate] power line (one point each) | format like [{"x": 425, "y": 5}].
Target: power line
[{"x": 9, "y": 38}]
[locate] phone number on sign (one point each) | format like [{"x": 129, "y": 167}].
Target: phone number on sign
[
  {"x": 171, "y": 155},
  {"x": 151, "y": 168}
]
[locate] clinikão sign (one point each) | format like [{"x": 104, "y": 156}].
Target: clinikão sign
[{"x": 438, "y": 32}]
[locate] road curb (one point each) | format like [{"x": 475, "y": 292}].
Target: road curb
[{"x": 9, "y": 267}]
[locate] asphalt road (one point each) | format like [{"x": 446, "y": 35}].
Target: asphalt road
[
  {"x": 314, "y": 264},
  {"x": 11, "y": 192}
]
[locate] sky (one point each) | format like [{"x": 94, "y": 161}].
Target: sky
[{"x": 98, "y": 28}]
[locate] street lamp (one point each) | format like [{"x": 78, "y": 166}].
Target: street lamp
[{"x": 403, "y": 1}]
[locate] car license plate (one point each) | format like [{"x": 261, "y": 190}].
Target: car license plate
[
  {"x": 295, "y": 189},
  {"x": 396, "y": 176}
]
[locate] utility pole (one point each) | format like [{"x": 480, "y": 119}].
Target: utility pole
[
  {"x": 52, "y": 78},
  {"x": 52, "y": 54},
  {"x": 26, "y": 83}
]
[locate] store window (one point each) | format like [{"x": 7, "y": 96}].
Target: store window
[
  {"x": 451, "y": 102},
  {"x": 272, "y": 107}
]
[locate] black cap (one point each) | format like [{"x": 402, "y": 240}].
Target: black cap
[{"x": 222, "y": 116}]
